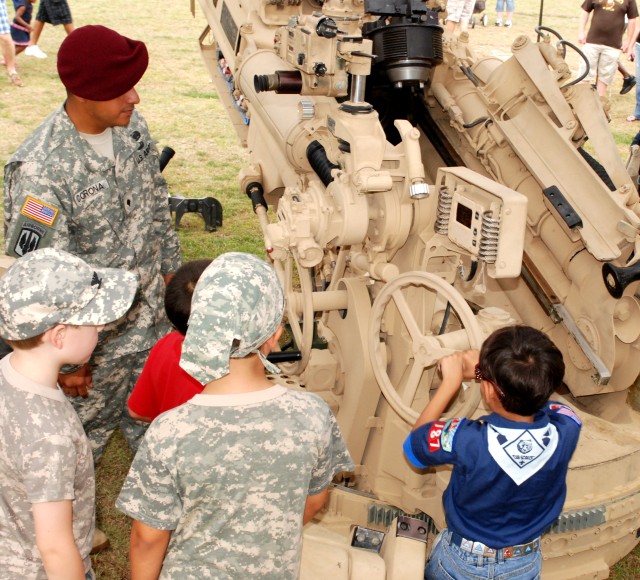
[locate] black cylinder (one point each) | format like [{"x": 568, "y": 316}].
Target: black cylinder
[
  {"x": 320, "y": 163},
  {"x": 255, "y": 191},
  {"x": 165, "y": 156},
  {"x": 283, "y": 82},
  {"x": 617, "y": 279}
]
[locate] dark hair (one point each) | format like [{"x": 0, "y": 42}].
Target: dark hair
[
  {"x": 525, "y": 365},
  {"x": 177, "y": 297}
]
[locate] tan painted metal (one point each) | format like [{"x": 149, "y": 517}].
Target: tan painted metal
[{"x": 416, "y": 232}]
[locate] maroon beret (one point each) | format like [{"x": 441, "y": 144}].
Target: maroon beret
[{"x": 99, "y": 64}]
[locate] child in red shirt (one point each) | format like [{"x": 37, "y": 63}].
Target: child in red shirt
[{"x": 163, "y": 384}]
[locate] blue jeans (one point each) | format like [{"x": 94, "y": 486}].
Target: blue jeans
[
  {"x": 448, "y": 562},
  {"x": 500, "y": 5},
  {"x": 636, "y": 56}
]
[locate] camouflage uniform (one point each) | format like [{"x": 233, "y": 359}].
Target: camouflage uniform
[
  {"x": 44, "y": 457},
  {"x": 230, "y": 475},
  {"x": 60, "y": 193}
]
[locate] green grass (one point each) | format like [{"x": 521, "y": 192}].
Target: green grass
[{"x": 183, "y": 111}]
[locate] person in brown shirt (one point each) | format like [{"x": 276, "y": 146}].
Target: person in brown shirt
[{"x": 603, "y": 43}]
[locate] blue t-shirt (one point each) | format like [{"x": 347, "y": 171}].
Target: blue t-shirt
[{"x": 508, "y": 482}]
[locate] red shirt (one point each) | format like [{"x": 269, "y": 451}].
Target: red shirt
[{"x": 163, "y": 383}]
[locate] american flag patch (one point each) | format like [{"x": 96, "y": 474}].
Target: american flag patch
[{"x": 39, "y": 211}]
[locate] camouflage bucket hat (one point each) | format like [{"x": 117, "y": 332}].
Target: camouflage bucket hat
[
  {"x": 237, "y": 305},
  {"x": 48, "y": 287}
]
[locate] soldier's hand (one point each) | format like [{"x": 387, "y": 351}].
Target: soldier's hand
[{"x": 77, "y": 383}]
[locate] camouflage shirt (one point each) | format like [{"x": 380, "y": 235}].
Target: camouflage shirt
[
  {"x": 230, "y": 475},
  {"x": 44, "y": 456},
  {"x": 60, "y": 193}
]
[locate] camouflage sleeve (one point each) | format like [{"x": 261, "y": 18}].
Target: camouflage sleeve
[
  {"x": 49, "y": 467},
  {"x": 149, "y": 494},
  {"x": 34, "y": 211},
  {"x": 333, "y": 457}
]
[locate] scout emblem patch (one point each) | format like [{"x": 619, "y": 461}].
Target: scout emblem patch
[
  {"x": 522, "y": 453},
  {"x": 39, "y": 211}
]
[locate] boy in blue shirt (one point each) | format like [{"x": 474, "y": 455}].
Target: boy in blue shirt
[{"x": 509, "y": 468}]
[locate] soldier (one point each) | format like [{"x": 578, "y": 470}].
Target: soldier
[
  {"x": 230, "y": 476},
  {"x": 88, "y": 181},
  {"x": 53, "y": 305}
]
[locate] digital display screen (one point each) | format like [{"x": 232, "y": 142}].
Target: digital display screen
[{"x": 464, "y": 215}]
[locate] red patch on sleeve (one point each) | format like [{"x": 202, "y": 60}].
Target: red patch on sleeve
[{"x": 433, "y": 438}]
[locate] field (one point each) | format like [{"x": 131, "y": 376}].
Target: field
[{"x": 184, "y": 112}]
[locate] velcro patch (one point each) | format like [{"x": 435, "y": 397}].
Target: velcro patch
[
  {"x": 38, "y": 210},
  {"x": 433, "y": 438}
]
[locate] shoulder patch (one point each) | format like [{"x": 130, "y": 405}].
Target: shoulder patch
[
  {"x": 38, "y": 210},
  {"x": 433, "y": 437},
  {"x": 448, "y": 433},
  {"x": 29, "y": 238},
  {"x": 564, "y": 410}
]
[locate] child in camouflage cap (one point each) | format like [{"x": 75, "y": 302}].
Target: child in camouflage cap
[
  {"x": 52, "y": 306},
  {"x": 221, "y": 486}
]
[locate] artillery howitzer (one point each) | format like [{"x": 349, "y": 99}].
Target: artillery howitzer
[{"x": 423, "y": 197}]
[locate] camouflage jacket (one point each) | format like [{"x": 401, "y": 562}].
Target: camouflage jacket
[
  {"x": 230, "y": 474},
  {"x": 60, "y": 193},
  {"x": 44, "y": 456}
]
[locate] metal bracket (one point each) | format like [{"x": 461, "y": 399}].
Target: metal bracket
[
  {"x": 563, "y": 207},
  {"x": 603, "y": 374},
  {"x": 208, "y": 207}
]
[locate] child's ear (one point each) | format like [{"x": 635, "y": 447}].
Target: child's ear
[
  {"x": 56, "y": 335},
  {"x": 488, "y": 392},
  {"x": 272, "y": 341}
]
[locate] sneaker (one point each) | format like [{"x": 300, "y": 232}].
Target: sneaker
[
  {"x": 34, "y": 50},
  {"x": 100, "y": 541},
  {"x": 507, "y": 24},
  {"x": 15, "y": 79},
  {"x": 498, "y": 22},
  {"x": 628, "y": 84}
]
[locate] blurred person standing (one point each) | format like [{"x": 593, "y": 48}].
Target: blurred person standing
[
  {"x": 505, "y": 9},
  {"x": 458, "y": 13},
  {"x": 635, "y": 55},
  {"x": 53, "y": 12},
  {"x": 603, "y": 43},
  {"x": 21, "y": 25},
  {"x": 8, "y": 49},
  {"x": 88, "y": 181}
]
